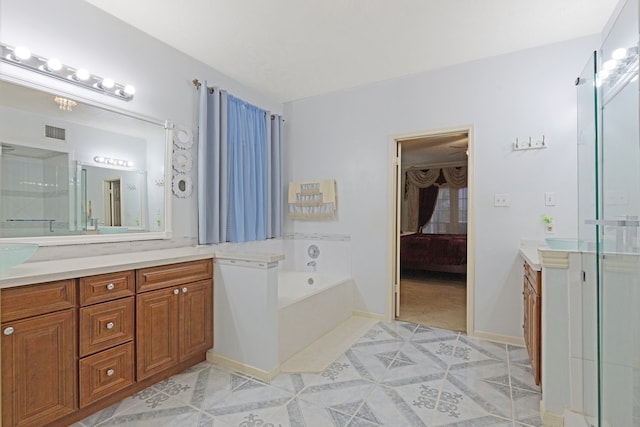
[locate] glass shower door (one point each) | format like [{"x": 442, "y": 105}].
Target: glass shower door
[
  {"x": 619, "y": 209},
  {"x": 584, "y": 323}
]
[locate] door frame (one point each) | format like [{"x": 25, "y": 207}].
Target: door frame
[{"x": 393, "y": 238}]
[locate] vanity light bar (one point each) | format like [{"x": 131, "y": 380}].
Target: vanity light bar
[
  {"x": 113, "y": 162},
  {"x": 20, "y": 56}
]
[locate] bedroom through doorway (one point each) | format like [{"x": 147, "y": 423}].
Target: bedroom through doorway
[{"x": 433, "y": 218}]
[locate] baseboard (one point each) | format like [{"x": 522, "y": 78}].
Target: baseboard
[
  {"x": 504, "y": 339},
  {"x": 234, "y": 365},
  {"x": 369, "y": 315},
  {"x": 549, "y": 419}
]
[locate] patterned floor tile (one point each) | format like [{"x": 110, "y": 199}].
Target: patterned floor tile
[
  {"x": 212, "y": 383},
  {"x": 487, "y": 421},
  {"x": 522, "y": 377},
  {"x": 518, "y": 355},
  {"x": 427, "y": 333},
  {"x": 411, "y": 361},
  {"x": 387, "y": 406},
  {"x": 490, "y": 349},
  {"x": 526, "y": 406},
  {"x": 372, "y": 361},
  {"x": 529, "y": 422},
  {"x": 249, "y": 398},
  {"x": 492, "y": 397},
  {"x": 160, "y": 409},
  {"x": 347, "y": 367},
  {"x": 293, "y": 383},
  {"x": 300, "y": 413},
  {"x": 347, "y": 393},
  {"x": 120, "y": 407},
  {"x": 388, "y": 332},
  {"x": 456, "y": 404}
]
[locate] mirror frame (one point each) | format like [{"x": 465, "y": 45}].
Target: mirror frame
[{"x": 107, "y": 238}]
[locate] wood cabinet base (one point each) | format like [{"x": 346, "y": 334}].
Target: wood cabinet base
[{"x": 122, "y": 394}]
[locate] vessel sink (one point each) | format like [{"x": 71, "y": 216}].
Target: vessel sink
[
  {"x": 565, "y": 243},
  {"x": 12, "y": 254},
  {"x": 112, "y": 230}
]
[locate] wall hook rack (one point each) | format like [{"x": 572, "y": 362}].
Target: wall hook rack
[{"x": 530, "y": 143}]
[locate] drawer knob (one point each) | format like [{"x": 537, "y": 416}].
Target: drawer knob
[
  {"x": 176, "y": 291},
  {"x": 184, "y": 290},
  {"x": 111, "y": 286},
  {"x": 8, "y": 331},
  {"x": 110, "y": 372},
  {"x": 110, "y": 325}
]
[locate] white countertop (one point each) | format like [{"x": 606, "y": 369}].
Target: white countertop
[
  {"x": 530, "y": 254},
  {"x": 47, "y": 271}
]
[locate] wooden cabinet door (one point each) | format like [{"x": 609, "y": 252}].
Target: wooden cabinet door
[
  {"x": 156, "y": 331},
  {"x": 196, "y": 318},
  {"x": 536, "y": 354},
  {"x": 39, "y": 374}
]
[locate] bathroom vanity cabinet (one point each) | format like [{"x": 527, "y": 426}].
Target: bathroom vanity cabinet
[
  {"x": 174, "y": 315},
  {"x": 532, "y": 292},
  {"x": 72, "y": 347}
]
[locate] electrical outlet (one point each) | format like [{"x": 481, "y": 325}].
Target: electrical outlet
[{"x": 501, "y": 200}]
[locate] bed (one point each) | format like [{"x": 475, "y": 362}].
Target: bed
[{"x": 434, "y": 252}]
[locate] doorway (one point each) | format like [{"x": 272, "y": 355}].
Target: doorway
[
  {"x": 431, "y": 229},
  {"x": 112, "y": 202}
]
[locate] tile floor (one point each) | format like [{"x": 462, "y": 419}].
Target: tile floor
[{"x": 397, "y": 374}]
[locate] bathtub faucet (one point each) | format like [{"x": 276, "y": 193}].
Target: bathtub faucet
[{"x": 311, "y": 264}]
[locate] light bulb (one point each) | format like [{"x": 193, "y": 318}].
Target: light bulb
[
  {"x": 610, "y": 64},
  {"x": 98, "y": 159},
  {"x": 53, "y": 64},
  {"x": 107, "y": 83},
  {"x": 130, "y": 164},
  {"x": 604, "y": 74},
  {"x": 22, "y": 53},
  {"x": 129, "y": 90},
  {"x": 82, "y": 74},
  {"x": 619, "y": 53},
  {"x": 120, "y": 162}
]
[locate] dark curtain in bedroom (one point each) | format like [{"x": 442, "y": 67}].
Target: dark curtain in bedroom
[{"x": 426, "y": 204}]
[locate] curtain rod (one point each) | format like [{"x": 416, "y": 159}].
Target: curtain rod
[{"x": 197, "y": 84}]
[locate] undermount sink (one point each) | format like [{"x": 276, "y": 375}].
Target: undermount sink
[{"x": 12, "y": 254}]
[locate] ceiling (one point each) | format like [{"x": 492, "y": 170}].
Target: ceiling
[
  {"x": 292, "y": 49},
  {"x": 445, "y": 148}
]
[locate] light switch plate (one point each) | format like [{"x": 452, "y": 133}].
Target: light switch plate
[{"x": 550, "y": 199}]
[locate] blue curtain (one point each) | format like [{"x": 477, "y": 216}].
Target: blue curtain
[{"x": 239, "y": 170}]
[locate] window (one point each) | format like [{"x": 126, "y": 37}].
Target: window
[{"x": 450, "y": 213}]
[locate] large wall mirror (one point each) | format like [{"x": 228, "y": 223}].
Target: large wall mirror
[{"x": 75, "y": 172}]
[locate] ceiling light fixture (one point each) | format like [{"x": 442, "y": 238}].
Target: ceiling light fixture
[
  {"x": 22, "y": 57},
  {"x": 65, "y": 104}
]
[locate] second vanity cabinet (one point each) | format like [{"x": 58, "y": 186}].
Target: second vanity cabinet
[
  {"x": 532, "y": 292},
  {"x": 72, "y": 347}
]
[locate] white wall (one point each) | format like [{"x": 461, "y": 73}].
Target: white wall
[
  {"x": 82, "y": 35},
  {"x": 345, "y": 136}
]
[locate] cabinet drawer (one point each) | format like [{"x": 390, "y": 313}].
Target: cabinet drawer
[
  {"x": 106, "y": 287},
  {"x": 105, "y": 325},
  {"x": 174, "y": 274},
  {"x": 105, "y": 373},
  {"x": 28, "y": 301}
]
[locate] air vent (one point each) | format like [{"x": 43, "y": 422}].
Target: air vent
[{"x": 54, "y": 132}]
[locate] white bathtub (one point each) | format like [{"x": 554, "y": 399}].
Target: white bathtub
[{"x": 309, "y": 306}]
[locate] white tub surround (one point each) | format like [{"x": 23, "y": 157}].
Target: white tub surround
[
  {"x": 307, "y": 311},
  {"x": 47, "y": 271},
  {"x": 246, "y": 313}
]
